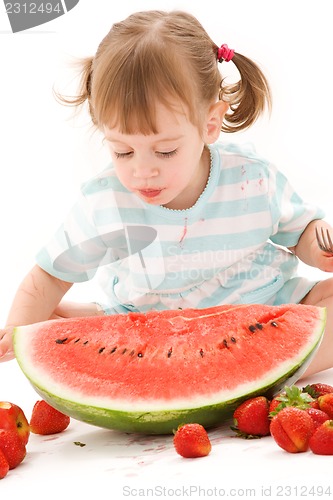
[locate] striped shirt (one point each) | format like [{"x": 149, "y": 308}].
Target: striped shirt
[{"x": 229, "y": 247}]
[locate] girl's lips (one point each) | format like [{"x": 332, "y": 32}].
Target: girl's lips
[{"x": 150, "y": 193}]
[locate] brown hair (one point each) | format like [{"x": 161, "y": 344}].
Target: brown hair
[{"x": 156, "y": 56}]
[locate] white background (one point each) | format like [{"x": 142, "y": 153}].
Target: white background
[{"x": 45, "y": 154}]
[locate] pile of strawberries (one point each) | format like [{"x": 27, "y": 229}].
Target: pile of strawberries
[
  {"x": 15, "y": 430},
  {"x": 297, "y": 419}
]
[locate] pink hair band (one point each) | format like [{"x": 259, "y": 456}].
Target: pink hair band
[{"x": 224, "y": 53}]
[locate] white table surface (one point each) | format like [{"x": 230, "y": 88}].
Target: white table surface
[{"x": 118, "y": 465}]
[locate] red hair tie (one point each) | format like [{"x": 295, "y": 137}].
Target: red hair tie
[{"x": 224, "y": 53}]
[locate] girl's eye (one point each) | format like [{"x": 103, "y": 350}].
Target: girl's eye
[
  {"x": 162, "y": 154},
  {"x": 122, "y": 155},
  {"x": 167, "y": 154}
]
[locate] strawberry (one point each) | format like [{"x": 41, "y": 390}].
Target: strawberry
[
  {"x": 4, "y": 466},
  {"x": 315, "y": 404},
  {"x": 321, "y": 442},
  {"x": 316, "y": 390},
  {"x": 273, "y": 405},
  {"x": 47, "y": 420},
  {"x": 318, "y": 416},
  {"x": 325, "y": 403},
  {"x": 192, "y": 441},
  {"x": 292, "y": 428},
  {"x": 292, "y": 396},
  {"x": 12, "y": 447},
  {"x": 12, "y": 417},
  {"x": 251, "y": 418}
]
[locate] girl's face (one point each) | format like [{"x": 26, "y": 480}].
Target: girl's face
[{"x": 169, "y": 168}]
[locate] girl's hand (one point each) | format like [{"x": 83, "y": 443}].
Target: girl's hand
[
  {"x": 323, "y": 260},
  {"x": 308, "y": 251},
  {"x": 6, "y": 344}
]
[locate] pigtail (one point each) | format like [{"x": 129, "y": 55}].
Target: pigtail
[
  {"x": 84, "y": 88},
  {"x": 248, "y": 98}
]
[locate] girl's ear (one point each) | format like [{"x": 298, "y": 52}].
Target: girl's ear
[{"x": 213, "y": 124}]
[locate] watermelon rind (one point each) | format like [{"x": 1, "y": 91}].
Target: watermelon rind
[{"x": 164, "y": 420}]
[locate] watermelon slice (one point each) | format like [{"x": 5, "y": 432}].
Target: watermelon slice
[{"x": 150, "y": 372}]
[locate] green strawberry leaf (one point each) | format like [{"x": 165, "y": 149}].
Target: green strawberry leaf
[
  {"x": 244, "y": 435},
  {"x": 292, "y": 396},
  {"x": 310, "y": 390}
]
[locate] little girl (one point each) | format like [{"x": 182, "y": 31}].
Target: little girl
[{"x": 178, "y": 219}]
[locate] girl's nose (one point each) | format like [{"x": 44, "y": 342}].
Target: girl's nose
[{"x": 144, "y": 171}]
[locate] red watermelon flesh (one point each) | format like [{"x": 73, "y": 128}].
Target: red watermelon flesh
[{"x": 166, "y": 365}]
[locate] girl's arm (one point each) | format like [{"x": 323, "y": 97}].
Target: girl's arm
[
  {"x": 36, "y": 299},
  {"x": 307, "y": 249}
]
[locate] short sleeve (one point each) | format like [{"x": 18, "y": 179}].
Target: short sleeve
[
  {"x": 80, "y": 245},
  {"x": 65, "y": 255},
  {"x": 290, "y": 213}
]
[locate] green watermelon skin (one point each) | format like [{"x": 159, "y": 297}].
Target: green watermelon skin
[
  {"x": 165, "y": 419},
  {"x": 162, "y": 422}
]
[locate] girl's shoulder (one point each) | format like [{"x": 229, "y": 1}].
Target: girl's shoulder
[
  {"x": 237, "y": 162},
  {"x": 230, "y": 152}
]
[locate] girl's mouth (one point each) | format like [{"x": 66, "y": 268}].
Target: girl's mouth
[{"x": 150, "y": 193}]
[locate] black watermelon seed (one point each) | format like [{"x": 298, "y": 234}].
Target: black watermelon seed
[
  {"x": 124, "y": 350},
  {"x": 259, "y": 326},
  {"x": 233, "y": 340},
  {"x": 77, "y": 340},
  {"x": 169, "y": 352},
  {"x": 114, "y": 350},
  {"x": 101, "y": 350},
  {"x": 140, "y": 355},
  {"x": 225, "y": 343},
  {"x": 201, "y": 353},
  {"x": 273, "y": 323},
  {"x": 61, "y": 341},
  {"x": 252, "y": 328},
  {"x": 86, "y": 342}
]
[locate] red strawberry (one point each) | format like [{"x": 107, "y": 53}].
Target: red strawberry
[
  {"x": 315, "y": 404},
  {"x": 12, "y": 447},
  {"x": 321, "y": 442},
  {"x": 4, "y": 466},
  {"x": 47, "y": 420},
  {"x": 318, "y": 416},
  {"x": 251, "y": 418},
  {"x": 292, "y": 428},
  {"x": 316, "y": 390},
  {"x": 273, "y": 406},
  {"x": 13, "y": 418},
  {"x": 325, "y": 403},
  {"x": 191, "y": 441}
]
